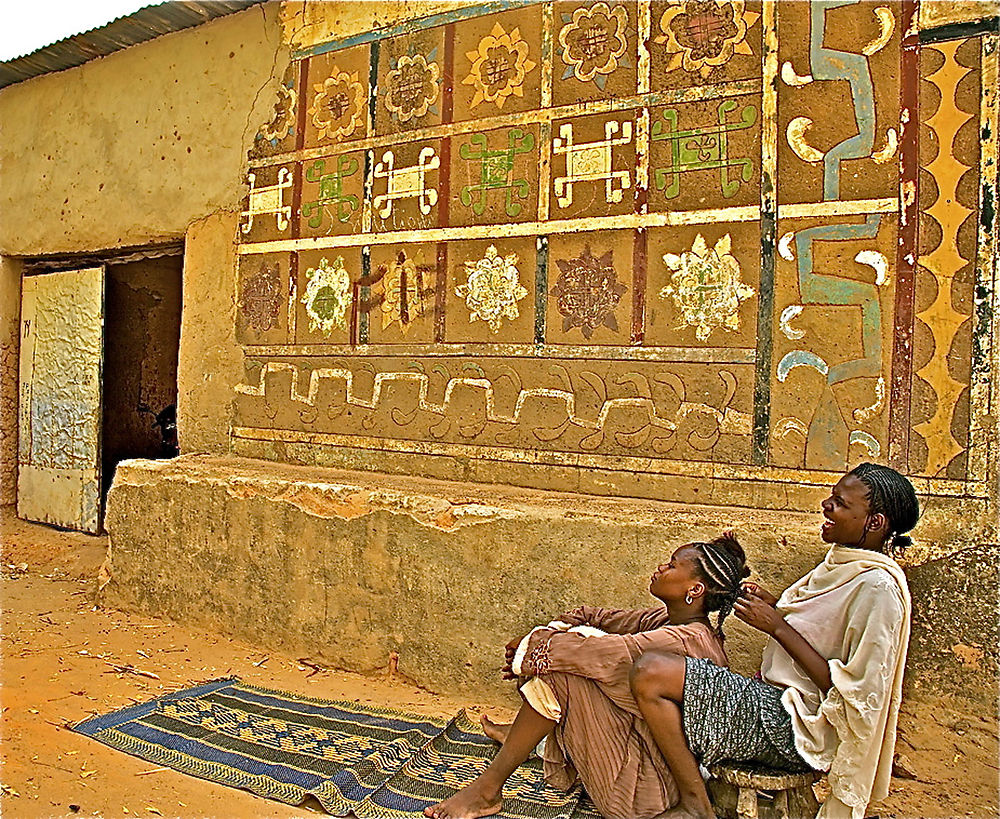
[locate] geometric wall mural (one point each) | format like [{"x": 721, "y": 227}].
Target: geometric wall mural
[{"x": 650, "y": 234}]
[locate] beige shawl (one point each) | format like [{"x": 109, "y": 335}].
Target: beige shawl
[{"x": 854, "y": 609}]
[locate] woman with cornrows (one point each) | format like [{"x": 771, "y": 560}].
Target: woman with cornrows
[
  {"x": 577, "y": 697},
  {"x": 828, "y": 693}
]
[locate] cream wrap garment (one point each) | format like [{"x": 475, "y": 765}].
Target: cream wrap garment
[{"x": 854, "y": 609}]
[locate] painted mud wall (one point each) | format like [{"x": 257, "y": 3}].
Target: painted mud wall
[{"x": 625, "y": 249}]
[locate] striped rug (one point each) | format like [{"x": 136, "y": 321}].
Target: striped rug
[{"x": 354, "y": 759}]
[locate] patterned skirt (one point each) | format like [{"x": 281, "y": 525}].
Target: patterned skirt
[{"x": 728, "y": 716}]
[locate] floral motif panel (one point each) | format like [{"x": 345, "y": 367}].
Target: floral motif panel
[{"x": 675, "y": 237}]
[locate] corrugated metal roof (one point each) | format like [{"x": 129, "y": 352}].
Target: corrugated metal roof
[{"x": 143, "y": 25}]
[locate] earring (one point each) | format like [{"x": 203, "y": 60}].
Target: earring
[{"x": 688, "y": 598}]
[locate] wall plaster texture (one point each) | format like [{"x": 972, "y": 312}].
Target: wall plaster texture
[
  {"x": 10, "y": 310},
  {"x": 131, "y": 148},
  {"x": 364, "y": 565},
  {"x": 210, "y": 363}
]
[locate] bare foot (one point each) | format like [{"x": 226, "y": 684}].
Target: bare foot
[
  {"x": 469, "y": 803},
  {"x": 494, "y": 730}
]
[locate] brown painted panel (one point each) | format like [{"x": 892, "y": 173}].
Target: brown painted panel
[
  {"x": 594, "y": 51},
  {"x": 703, "y": 282},
  {"x": 498, "y": 64},
  {"x": 694, "y": 44},
  {"x": 262, "y": 299},
  {"x": 336, "y": 97}
]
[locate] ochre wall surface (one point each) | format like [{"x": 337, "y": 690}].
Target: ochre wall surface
[
  {"x": 347, "y": 567},
  {"x": 130, "y": 148},
  {"x": 10, "y": 329},
  {"x": 210, "y": 362}
]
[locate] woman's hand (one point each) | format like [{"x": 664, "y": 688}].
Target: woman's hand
[
  {"x": 759, "y": 591},
  {"x": 509, "y": 651},
  {"x": 756, "y": 611}
]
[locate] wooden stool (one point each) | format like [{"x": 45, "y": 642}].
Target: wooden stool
[{"x": 748, "y": 792}]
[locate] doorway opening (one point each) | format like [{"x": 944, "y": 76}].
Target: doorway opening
[{"x": 142, "y": 315}]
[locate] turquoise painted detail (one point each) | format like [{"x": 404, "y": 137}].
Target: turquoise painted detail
[{"x": 831, "y": 64}]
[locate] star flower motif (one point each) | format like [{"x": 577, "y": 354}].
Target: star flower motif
[
  {"x": 706, "y": 286},
  {"x": 338, "y": 105},
  {"x": 587, "y": 292},
  {"x": 260, "y": 300},
  {"x": 283, "y": 122},
  {"x": 327, "y": 295},
  {"x": 412, "y": 87},
  {"x": 499, "y": 66},
  {"x": 492, "y": 289},
  {"x": 593, "y": 40},
  {"x": 704, "y": 34}
]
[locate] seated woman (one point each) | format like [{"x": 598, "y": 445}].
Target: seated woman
[
  {"x": 832, "y": 672},
  {"x": 578, "y": 692}
]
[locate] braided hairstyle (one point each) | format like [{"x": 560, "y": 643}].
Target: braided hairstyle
[
  {"x": 722, "y": 564},
  {"x": 892, "y": 495}
]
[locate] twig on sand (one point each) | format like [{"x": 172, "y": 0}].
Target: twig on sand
[
  {"x": 316, "y": 667},
  {"x": 128, "y": 668},
  {"x": 152, "y": 770}
]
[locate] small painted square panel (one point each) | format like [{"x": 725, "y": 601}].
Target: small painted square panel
[
  {"x": 491, "y": 290},
  {"x": 705, "y": 154},
  {"x": 594, "y": 51},
  {"x": 336, "y": 97},
  {"x": 278, "y": 134},
  {"x": 332, "y": 198},
  {"x": 593, "y": 166},
  {"x": 702, "y": 286},
  {"x": 406, "y": 184},
  {"x": 494, "y": 176},
  {"x": 268, "y": 208},
  {"x": 589, "y": 298},
  {"x": 262, "y": 299},
  {"x": 327, "y": 293},
  {"x": 410, "y": 90},
  {"x": 403, "y": 293},
  {"x": 498, "y": 60},
  {"x": 693, "y": 43}
]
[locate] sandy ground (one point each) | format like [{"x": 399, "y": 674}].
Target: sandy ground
[{"x": 64, "y": 660}]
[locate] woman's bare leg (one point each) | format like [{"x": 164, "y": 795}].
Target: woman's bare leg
[
  {"x": 497, "y": 731},
  {"x": 657, "y": 682},
  {"x": 484, "y": 796}
]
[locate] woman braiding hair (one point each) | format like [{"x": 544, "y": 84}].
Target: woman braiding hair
[
  {"x": 573, "y": 676},
  {"x": 831, "y": 678},
  {"x": 722, "y": 564}
]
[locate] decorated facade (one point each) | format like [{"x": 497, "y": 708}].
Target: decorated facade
[{"x": 660, "y": 237}]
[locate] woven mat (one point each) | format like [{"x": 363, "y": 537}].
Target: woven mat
[{"x": 355, "y": 759}]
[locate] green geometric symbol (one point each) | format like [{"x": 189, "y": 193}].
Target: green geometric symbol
[
  {"x": 331, "y": 187},
  {"x": 495, "y": 170},
  {"x": 702, "y": 149}
]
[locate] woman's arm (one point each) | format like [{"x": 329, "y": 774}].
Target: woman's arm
[
  {"x": 755, "y": 611},
  {"x": 617, "y": 621}
]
